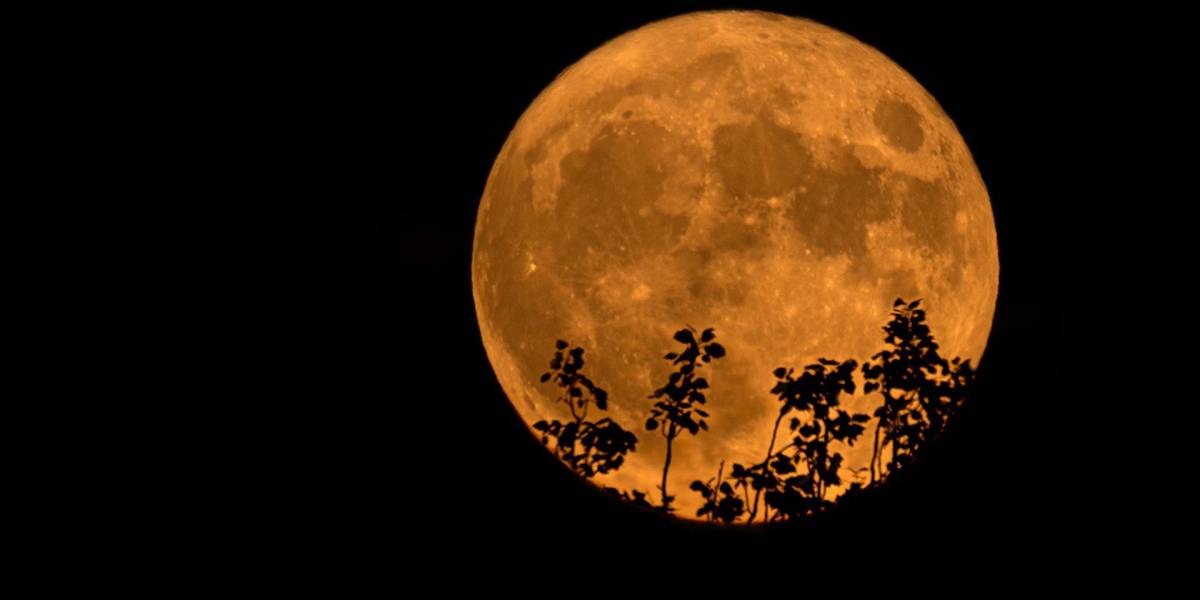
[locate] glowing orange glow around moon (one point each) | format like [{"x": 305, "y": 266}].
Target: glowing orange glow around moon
[{"x": 766, "y": 176}]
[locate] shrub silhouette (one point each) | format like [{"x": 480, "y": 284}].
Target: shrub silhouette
[
  {"x": 633, "y": 497},
  {"x": 795, "y": 480},
  {"x": 678, "y": 406},
  {"x": 721, "y": 502},
  {"x": 588, "y": 447},
  {"x": 920, "y": 389}
]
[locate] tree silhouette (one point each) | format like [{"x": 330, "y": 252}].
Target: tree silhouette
[
  {"x": 920, "y": 389},
  {"x": 795, "y": 480},
  {"x": 588, "y": 447},
  {"x": 678, "y": 406}
]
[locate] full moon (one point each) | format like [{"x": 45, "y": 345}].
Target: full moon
[{"x": 766, "y": 176}]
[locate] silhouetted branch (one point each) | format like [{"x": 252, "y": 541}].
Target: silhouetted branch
[
  {"x": 920, "y": 389},
  {"x": 794, "y": 480},
  {"x": 588, "y": 447},
  {"x": 678, "y": 405}
]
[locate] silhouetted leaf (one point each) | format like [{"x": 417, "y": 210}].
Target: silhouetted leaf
[
  {"x": 783, "y": 466},
  {"x": 651, "y": 424},
  {"x": 707, "y": 336},
  {"x": 715, "y": 350},
  {"x": 779, "y": 373},
  {"x": 684, "y": 336}
]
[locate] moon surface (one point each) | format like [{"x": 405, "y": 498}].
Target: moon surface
[{"x": 763, "y": 175}]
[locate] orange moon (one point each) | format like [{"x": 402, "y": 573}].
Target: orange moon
[{"x": 763, "y": 175}]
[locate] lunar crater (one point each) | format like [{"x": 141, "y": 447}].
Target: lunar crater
[{"x": 900, "y": 124}]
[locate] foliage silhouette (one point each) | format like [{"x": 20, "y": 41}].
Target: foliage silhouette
[
  {"x": 920, "y": 389},
  {"x": 795, "y": 480},
  {"x": 588, "y": 447},
  {"x": 721, "y": 502},
  {"x": 633, "y": 497},
  {"x": 678, "y": 406}
]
